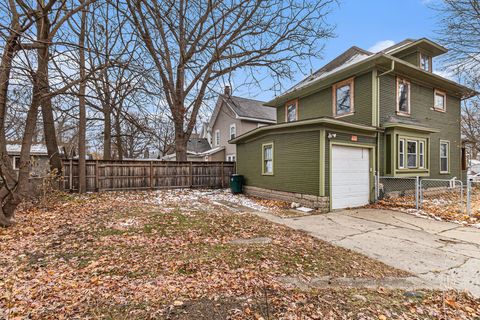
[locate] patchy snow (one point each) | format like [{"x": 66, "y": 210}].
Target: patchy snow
[{"x": 204, "y": 199}]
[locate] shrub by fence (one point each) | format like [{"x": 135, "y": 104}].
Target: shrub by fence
[{"x": 109, "y": 175}]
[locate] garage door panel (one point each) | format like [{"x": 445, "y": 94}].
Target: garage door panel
[{"x": 350, "y": 177}]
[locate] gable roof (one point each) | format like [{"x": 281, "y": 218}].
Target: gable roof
[
  {"x": 351, "y": 56},
  {"x": 245, "y": 109},
  {"x": 356, "y": 60},
  {"x": 198, "y": 145}
]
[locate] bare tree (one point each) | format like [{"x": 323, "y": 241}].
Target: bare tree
[
  {"x": 460, "y": 32},
  {"x": 195, "y": 44}
]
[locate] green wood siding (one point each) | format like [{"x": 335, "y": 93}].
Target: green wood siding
[
  {"x": 412, "y": 58},
  {"x": 320, "y": 103},
  {"x": 421, "y": 104},
  {"x": 296, "y": 162}
]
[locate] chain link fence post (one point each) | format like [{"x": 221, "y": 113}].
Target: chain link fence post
[
  {"x": 469, "y": 195},
  {"x": 417, "y": 192}
]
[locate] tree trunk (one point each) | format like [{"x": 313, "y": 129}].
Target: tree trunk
[
  {"x": 82, "y": 125},
  {"x": 11, "y": 198},
  {"x": 181, "y": 140},
  {"x": 107, "y": 133},
  {"x": 43, "y": 30},
  {"x": 118, "y": 133}
]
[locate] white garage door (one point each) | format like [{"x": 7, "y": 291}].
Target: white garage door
[{"x": 350, "y": 177}]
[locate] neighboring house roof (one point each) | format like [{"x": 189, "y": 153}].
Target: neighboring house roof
[
  {"x": 245, "y": 109},
  {"x": 195, "y": 154},
  {"x": 198, "y": 145},
  {"x": 356, "y": 60},
  {"x": 36, "y": 149},
  {"x": 322, "y": 121}
]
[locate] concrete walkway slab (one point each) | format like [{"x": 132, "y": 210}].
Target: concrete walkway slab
[{"x": 443, "y": 254}]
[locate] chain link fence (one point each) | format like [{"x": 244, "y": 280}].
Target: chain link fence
[{"x": 446, "y": 199}]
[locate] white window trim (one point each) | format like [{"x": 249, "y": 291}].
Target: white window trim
[
  {"x": 398, "y": 97},
  {"x": 217, "y": 137},
  {"x": 350, "y": 82},
  {"x": 234, "y": 127},
  {"x": 440, "y": 93},
  {"x": 416, "y": 154},
  {"x": 289, "y": 103},
  {"x": 265, "y": 173},
  {"x": 402, "y": 154},
  {"x": 14, "y": 162},
  {"x": 231, "y": 157},
  {"x": 447, "y": 157},
  {"x": 421, "y": 152}
]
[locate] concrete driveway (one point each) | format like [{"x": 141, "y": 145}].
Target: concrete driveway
[{"x": 445, "y": 255}]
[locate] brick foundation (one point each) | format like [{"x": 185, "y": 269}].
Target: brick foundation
[{"x": 321, "y": 204}]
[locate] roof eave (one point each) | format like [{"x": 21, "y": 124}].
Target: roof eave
[{"x": 316, "y": 121}]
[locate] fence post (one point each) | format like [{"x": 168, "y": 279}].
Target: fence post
[
  {"x": 97, "y": 173},
  {"x": 191, "y": 174},
  {"x": 223, "y": 175},
  {"x": 151, "y": 174},
  {"x": 417, "y": 192},
  {"x": 469, "y": 194},
  {"x": 70, "y": 182}
]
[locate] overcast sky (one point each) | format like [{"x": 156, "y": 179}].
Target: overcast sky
[{"x": 371, "y": 25}]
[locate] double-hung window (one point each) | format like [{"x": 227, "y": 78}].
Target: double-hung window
[
  {"x": 233, "y": 131},
  {"x": 343, "y": 98},
  {"x": 291, "y": 111},
  {"x": 267, "y": 159},
  {"x": 421, "y": 154},
  {"x": 403, "y": 96},
  {"x": 411, "y": 154},
  {"x": 440, "y": 100},
  {"x": 444, "y": 156},
  {"x": 401, "y": 153}
]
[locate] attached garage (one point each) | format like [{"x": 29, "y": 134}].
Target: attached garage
[{"x": 350, "y": 176}]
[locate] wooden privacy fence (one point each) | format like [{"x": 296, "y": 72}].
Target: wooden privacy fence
[{"x": 109, "y": 175}]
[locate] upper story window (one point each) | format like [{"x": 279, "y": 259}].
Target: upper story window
[
  {"x": 291, "y": 111},
  {"x": 217, "y": 138},
  {"x": 440, "y": 100},
  {"x": 233, "y": 131},
  {"x": 343, "y": 98},
  {"x": 403, "y": 96},
  {"x": 267, "y": 159},
  {"x": 425, "y": 62}
]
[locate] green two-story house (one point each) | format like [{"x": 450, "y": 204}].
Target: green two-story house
[{"x": 361, "y": 114}]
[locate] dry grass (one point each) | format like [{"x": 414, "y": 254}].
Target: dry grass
[{"x": 124, "y": 256}]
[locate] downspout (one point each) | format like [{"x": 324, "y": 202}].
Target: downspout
[{"x": 377, "y": 97}]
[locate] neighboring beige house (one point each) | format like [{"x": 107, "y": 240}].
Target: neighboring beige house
[
  {"x": 39, "y": 161},
  {"x": 234, "y": 116}
]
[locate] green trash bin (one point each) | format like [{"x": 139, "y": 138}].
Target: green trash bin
[{"x": 236, "y": 183}]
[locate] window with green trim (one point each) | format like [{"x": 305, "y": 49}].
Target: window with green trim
[
  {"x": 267, "y": 158},
  {"x": 412, "y": 153},
  {"x": 401, "y": 153}
]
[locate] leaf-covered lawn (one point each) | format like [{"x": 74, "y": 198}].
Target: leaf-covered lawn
[{"x": 169, "y": 255}]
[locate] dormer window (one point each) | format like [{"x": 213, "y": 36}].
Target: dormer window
[
  {"x": 425, "y": 62},
  {"x": 291, "y": 111},
  {"x": 403, "y": 97}
]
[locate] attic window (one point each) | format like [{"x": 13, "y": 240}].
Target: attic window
[
  {"x": 403, "y": 96},
  {"x": 425, "y": 62},
  {"x": 291, "y": 111},
  {"x": 343, "y": 98}
]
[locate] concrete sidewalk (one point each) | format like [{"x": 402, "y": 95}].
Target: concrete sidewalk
[{"x": 446, "y": 255}]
